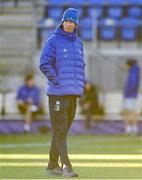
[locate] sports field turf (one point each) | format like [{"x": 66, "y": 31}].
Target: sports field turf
[{"x": 93, "y": 157}]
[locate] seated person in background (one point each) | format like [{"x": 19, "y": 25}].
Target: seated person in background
[
  {"x": 28, "y": 101},
  {"x": 89, "y": 103}
]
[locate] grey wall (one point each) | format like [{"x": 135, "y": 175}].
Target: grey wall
[{"x": 109, "y": 73}]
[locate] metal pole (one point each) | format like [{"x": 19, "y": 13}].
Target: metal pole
[
  {"x": 94, "y": 29},
  {"x": 34, "y": 43}
]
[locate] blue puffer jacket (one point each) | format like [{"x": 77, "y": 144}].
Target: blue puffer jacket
[
  {"x": 62, "y": 63},
  {"x": 132, "y": 83}
]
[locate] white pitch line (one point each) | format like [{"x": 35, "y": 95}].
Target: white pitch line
[
  {"x": 30, "y": 145},
  {"x": 118, "y": 139},
  {"x": 106, "y": 165},
  {"x": 75, "y": 156},
  {"x": 73, "y": 179},
  {"x": 27, "y": 145}
]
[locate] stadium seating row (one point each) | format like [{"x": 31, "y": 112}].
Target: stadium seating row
[
  {"x": 99, "y": 12},
  {"x": 115, "y": 8},
  {"x": 126, "y": 29},
  {"x": 111, "y": 29},
  {"x": 95, "y": 2},
  {"x": 113, "y": 22}
]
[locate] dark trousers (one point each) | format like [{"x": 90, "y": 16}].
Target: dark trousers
[{"x": 62, "y": 111}]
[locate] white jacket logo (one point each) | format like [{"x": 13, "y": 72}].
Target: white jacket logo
[{"x": 65, "y": 52}]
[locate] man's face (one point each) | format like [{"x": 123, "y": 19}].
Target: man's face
[
  {"x": 69, "y": 26},
  {"x": 30, "y": 83}
]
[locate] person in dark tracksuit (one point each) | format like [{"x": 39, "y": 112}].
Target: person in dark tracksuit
[
  {"x": 89, "y": 104},
  {"x": 62, "y": 62}
]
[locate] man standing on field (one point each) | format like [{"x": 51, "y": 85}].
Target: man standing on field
[
  {"x": 62, "y": 62},
  {"x": 130, "y": 97}
]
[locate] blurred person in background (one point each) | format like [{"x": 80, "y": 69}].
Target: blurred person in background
[
  {"x": 16, "y": 3},
  {"x": 130, "y": 97},
  {"x": 28, "y": 101},
  {"x": 90, "y": 104},
  {"x": 62, "y": 62}
]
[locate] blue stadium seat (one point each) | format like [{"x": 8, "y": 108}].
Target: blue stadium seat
[
  {"x": 97, "y": 11},
  {"x": 115, "y": 12},
  {"x": 56, "y": 2},
  {"x": 135, "y": 2},
  {"x": 116, "y": 2},
  {"x": 86, "y": 35},
  {"x": 55, "y": 12},
  {"x": 108, "y": 29},
  {"x": 96, "y": 2},
  {"x": 86, "y": 30},
  {"x": 134, "y": 12},
  {"x": 129, "y": 28},
  {"x": 73, "y": 3}
]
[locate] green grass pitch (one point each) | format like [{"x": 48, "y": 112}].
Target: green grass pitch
[{"x": 93, "y": 157}]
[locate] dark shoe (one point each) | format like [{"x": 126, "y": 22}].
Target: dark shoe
[
  {"x": 55, "y": 172},
  {"x": 67, "y": 172}
]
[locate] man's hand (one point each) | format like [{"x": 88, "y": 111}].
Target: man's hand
[
  {"x": 19, "y": 101},
  {"x": 86, "y": 106},
  {"x": 30, "y": 100}
]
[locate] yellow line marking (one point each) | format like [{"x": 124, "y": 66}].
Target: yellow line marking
[
  {"x": 106, "y": 165},
  {"x": 74, "y": 156}
]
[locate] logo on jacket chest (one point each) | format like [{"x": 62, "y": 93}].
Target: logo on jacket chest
[{"x": 65, "y": 51}]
